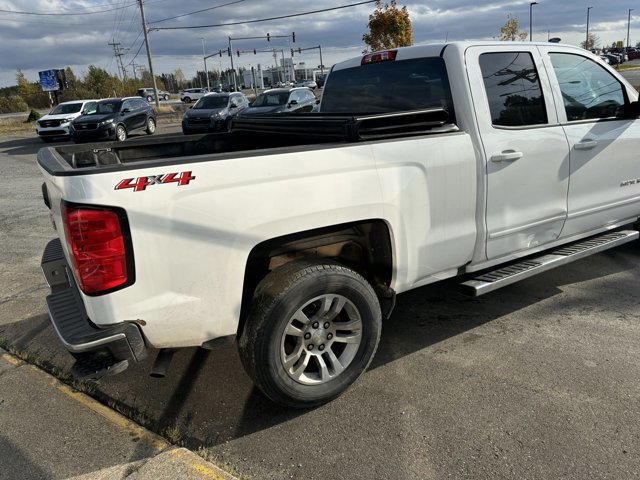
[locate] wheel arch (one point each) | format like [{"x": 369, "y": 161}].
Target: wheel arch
[{"x": 365, "y": 246}]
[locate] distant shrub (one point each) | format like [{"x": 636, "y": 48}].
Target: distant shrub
[{"x": 13, "y": 104}]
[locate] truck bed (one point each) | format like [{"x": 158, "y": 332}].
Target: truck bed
[{"x": 255, "y": 134}]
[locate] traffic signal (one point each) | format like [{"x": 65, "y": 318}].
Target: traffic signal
[
  {"x": 299, "y": 50},
  {"x": 220, "y": 52},
  {"x": 254, "y": 51},
  {"x": 293, "y": 37},
  {"x": 268, "y": 37},
  {"x": 238, "y": 52},
  {"x": 292, "y": 52},
  {"x": 229, "y": 51}
]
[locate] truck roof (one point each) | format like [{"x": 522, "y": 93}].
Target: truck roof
[{"x": 436, "y": 49}]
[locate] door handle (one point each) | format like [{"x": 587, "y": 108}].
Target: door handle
[
  {"x": 585, "y": 145},
  {"x": 507, "y": 156}
]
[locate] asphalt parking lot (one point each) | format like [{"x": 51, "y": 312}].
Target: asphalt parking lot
[{"x": 539, "y": 380}]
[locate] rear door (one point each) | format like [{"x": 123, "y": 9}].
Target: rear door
[
  {"x": 526, "y": 151},
  {"x": 605, "y": 146}
]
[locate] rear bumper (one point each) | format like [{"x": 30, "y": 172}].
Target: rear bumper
[{"x": 123, "y": 341}]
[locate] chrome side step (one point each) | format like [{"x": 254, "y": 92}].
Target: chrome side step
[{"x": 493, "y": 280}]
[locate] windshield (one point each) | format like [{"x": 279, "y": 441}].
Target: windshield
[
  {"x": 107, "y": 107},
  {"x": 211, "y": 102},
  {"x": 63, "y": 109},
  {"x": 272, "y": 99}
]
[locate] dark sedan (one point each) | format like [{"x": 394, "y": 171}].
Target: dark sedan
[{"x": 114, "y": 119}]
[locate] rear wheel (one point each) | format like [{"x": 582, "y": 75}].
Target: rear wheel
[
  {"x": 149, "y": 98},
  {"x": 121, "y": 133},
  {"x": 187, "y": 100},
  {"x": 166, "y": 98},
  {"x": 313, "y": 329},
  {"x": 151, "y": 126}
]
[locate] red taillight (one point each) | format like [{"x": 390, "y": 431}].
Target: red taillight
[
  {"x": 377, "y": 57},
  {"x": 97, "y": 248}
]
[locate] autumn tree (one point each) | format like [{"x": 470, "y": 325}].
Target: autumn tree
[
  {"x": 389, "y": 27},
  {"x": 592, "y": 42},
  {"x": 510, "y": 31}
]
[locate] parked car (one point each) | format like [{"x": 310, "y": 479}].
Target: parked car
[
  {"x": 279, "y": 100},
  {"x": 307, "y": 83},
  {"x": 114, "y": 119},
  {"x": 188, "y": 95},
  {"x": 613, "y": 59},
  {"x": 149, "y": 95},
  {"x": 56, "y": 123},
  {"x": 213, "y": 112}
]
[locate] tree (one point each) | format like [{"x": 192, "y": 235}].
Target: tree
[
  {"x": 389, "y": 27},
  {"x": 593, "y": 42},
  {"x": 509, "y": 31}
]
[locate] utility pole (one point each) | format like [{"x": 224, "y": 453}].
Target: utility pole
[
  {"x": 118, "y": 53},
  {"x": 135, "y": 67},
  {"x": 146, "y": 41},
  {"x": 206, "y": 73}
]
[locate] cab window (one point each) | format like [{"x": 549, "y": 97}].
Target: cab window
[
  {"x": 589, "y": 91},
  {"x": 513, "y": 89}
]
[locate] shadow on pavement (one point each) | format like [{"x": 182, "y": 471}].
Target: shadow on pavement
[{"x": 207, "y": 399}]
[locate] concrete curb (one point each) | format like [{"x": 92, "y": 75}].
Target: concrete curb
[{"x": 169, "y": 461}]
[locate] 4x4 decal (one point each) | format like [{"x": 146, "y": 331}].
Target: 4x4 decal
[{"x": 141, "y": 183}]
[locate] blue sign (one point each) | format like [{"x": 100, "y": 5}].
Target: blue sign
[{"x": 49, "y": 81}]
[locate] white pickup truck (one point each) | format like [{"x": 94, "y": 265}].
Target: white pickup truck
[{"x": 293, "y": 233}]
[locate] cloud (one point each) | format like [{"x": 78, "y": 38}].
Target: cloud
[{"x": 81, "y": 36}]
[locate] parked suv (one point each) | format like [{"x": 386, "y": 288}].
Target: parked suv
[
  {"x": 188, "y": 95},
  {"x": 213, "y": 112},
  {"x": 279, "y": 100},
  {"x": 150, "y": 96},
  {"x": 56, "y": 123},
  {"x": 114, "y": 119}
]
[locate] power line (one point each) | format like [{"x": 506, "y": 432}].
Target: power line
[
  {"x": 264, "y": 19},
  {"x": 197, "y": 11},
  {"x": 67, "y": 14}
]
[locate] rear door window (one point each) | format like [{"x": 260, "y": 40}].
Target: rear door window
[{"x": 513, "y": 89}]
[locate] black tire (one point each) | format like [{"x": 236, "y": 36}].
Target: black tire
[
  {"x": 121, "y": 133},
  {"x": 186, "y": 100},
  {"x": 151, "y": 126},
  {"x": 166, "y": 98},
  {"x": 149, "y": 98},
  {"x": 325, "y": 352}
]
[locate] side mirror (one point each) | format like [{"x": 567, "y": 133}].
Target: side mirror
[
  {"x": 634, "y": 109},
  {"x": 293, "y": 102},
  {"x": 125, "y": 110}
]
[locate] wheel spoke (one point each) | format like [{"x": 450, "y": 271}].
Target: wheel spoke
[
  {"x": 293, "y": 331},
  {"x": 302, "y": 366},
  {"x": 334, "y": 362},
  {"x": 331, "y": 306},
  {"x": 347, "y": 337},
  {"x": 301, "y": 317},
  {"x": 325, "y": 375},
  {"x": 291, "y": 360},
  {"x": 350, "y": 326}
]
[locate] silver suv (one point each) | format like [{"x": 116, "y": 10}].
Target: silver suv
[
  {"x": 149, "y": 94},
  {"x": 188, "y": 95}
]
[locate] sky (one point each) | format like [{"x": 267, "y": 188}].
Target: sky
[{"x": 51, "y": 34}]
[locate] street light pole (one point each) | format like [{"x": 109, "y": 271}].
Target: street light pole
[
  {"x": 531, "y": 4},
  {"x": 586, "y": 42},
  {"x": 628, "y": 25},
  {"x": 206, "y": 73}
]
